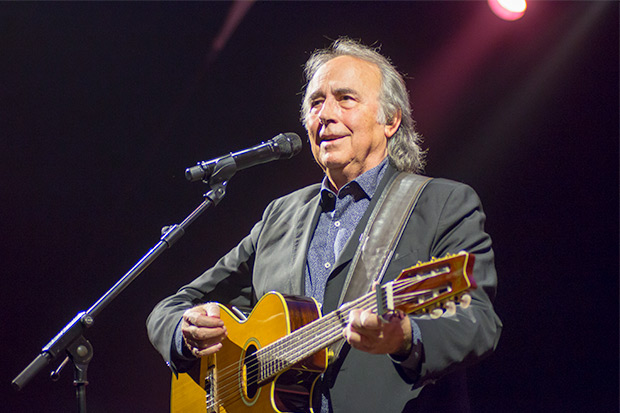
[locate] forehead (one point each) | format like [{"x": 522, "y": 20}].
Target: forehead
[{"x": 346, "y": 72}]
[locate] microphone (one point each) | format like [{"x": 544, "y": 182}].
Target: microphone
[{"x": 283, "y": 146}]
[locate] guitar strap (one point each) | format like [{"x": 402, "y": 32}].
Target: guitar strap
[{"x": 380, "y": 237}]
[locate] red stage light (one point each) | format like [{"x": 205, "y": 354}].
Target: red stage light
[{"x": 508, "y": 9}]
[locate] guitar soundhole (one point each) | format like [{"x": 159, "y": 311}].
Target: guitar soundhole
[{"x": 251, "y": 372}]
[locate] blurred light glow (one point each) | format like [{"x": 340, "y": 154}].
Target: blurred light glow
[{"x": 508, "y": 9}]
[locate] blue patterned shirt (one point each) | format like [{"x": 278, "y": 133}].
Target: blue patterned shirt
[{"x": 340, "y": 215}]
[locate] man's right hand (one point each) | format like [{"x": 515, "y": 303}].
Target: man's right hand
[{"x": 203, "y": 330}]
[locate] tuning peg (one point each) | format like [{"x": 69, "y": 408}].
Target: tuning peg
[
  {"x": 450, "y": 307},
  {"x": 436, "y": 313},
  {"x": 435, "y": 310},
  {"x": 464, "y": 300}
]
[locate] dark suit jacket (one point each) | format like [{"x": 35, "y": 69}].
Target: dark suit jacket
[{"x": 447, "y": 219}]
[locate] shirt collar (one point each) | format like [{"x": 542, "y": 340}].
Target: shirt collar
[{"x": 364, "y": 185}]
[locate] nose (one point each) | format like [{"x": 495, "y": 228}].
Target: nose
[{"x": 327, "y": 112}]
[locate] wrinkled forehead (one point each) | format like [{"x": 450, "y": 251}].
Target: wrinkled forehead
[{"x": 345, "y": 72}]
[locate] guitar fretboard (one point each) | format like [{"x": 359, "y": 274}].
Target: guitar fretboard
[
  {"x": 325, "y": 331},
  {"x": 301, "y": 343}
]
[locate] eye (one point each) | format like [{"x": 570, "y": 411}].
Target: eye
[
  {"x": 347, "y": 100},
  {"x": 316, "y": 102}
]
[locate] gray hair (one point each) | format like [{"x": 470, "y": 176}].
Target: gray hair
[{"x": 404, "y": 146}]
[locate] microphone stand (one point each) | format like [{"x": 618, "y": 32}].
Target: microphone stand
[{"x": 70, "y": 339}]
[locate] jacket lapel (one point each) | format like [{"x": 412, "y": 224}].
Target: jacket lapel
[{"x": 305, "y": 220}]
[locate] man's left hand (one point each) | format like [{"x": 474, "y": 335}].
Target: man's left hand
[{"x": 367, "y": 332}]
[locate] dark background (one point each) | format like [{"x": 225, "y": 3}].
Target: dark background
[{"x": 103, "y": 106}]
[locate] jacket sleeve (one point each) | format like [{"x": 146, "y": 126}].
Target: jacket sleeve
[
  {"x": 229, "y": 281},
  {"x": 452, "y": 342}
]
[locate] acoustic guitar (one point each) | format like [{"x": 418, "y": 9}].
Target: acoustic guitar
[{"x": 270, "y": 361}]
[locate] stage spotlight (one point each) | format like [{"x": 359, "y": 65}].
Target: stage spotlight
[{"x": 508, "y": 9}]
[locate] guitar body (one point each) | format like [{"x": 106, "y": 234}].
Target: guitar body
[
  {"x": 228, "y": 381},
  {"x": 271, "y": 361}
]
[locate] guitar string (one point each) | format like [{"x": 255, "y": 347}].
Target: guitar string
[
  {"x": 211, "y": 402},
  {"x": 292, "y": 355},
  {"x": 363, "y": 300},
  {"x": 225, "y": 384},
  {"x": 269, "y": 364},
  {"x": 284, "y": 341},
  {"x": 260, "y": 353},
  {"x": 231, "y": 398},
  {"x": 322, "y": 338},
  {"x": 318, "y": 344},
  {"x": 270, "y": 368},
  {"x": 265, "y": 352},
  {"x": 228, "y": 397}
]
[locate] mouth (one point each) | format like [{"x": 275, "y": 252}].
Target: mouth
[{"x": 329, "y": 138}]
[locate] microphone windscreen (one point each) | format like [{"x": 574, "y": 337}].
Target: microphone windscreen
[{"x": 289, "y": 144}]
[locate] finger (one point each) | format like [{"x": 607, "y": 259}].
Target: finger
[
  {"x": 201, "y": 344},
  {"x": 354, "y": 330},
  {"x": 364, "y": 321},
  {"x": 201, "y": 352},
  {"x": 207, "y": 351},
  {"x": 197, "y": 316},
  {"x": 353, "y": 337},
  {"x": 370, "y": 320},
  {"x": 355, "y": 318},
  {"x": 212, "y": 309},
  {"x": 202, "y": 333}
]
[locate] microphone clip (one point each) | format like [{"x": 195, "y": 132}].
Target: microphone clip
[{"x": 224, "y": 169}]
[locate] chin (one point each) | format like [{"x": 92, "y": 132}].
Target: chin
[{"x": 333, "y": 164}]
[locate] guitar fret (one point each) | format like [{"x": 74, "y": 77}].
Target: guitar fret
[{"x": 300, "y": 344}]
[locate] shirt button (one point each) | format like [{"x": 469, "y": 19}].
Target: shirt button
[
  {"x": 337, "y": 223},
  {"x": 327, "y": 265},
  {"x": 329, "y": 194}
]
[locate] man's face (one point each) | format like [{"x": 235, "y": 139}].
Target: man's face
[{"x": 345, "y": 136}]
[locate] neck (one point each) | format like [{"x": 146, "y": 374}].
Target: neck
[{"x": 340, "y": 177}]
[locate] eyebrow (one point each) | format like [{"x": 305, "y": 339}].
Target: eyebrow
[
  {"x": 336, "y": 92},
  {"x": 315, "y": 95},
  {"x": 345, "y": 91}
]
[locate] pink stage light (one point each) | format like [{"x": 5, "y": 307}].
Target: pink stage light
[{"x": 508, "y": 9}]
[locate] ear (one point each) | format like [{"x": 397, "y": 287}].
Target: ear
[{"x": 391, "y": 127}]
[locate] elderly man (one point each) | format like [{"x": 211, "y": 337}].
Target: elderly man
[{"x": 358, "y": 118}]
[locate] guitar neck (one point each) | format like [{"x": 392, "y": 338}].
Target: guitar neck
[
  {"x": 307, "y": 340},
  {"x": 415, "y": 290}
]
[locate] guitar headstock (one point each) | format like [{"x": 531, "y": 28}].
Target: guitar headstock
[{"x": 427, "y": 285}]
